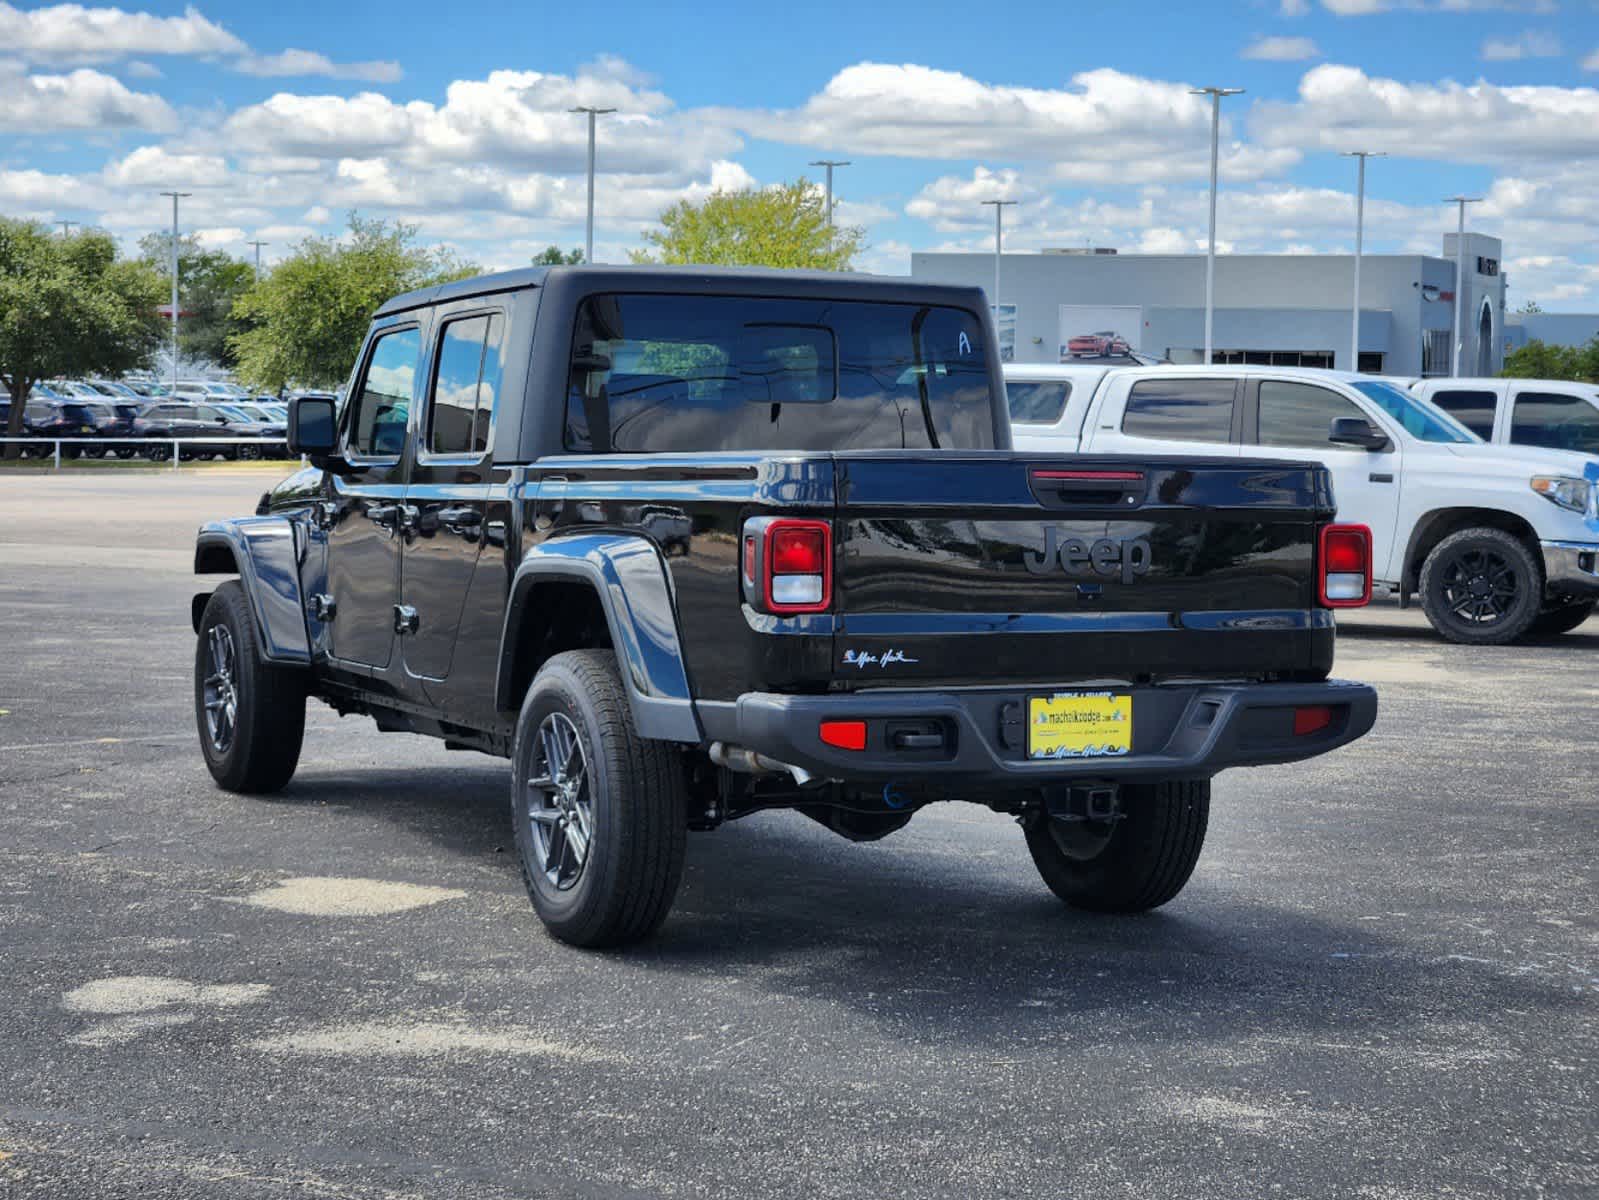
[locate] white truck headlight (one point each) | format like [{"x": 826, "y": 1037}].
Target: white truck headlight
[{"x": 1575, "y": 494}]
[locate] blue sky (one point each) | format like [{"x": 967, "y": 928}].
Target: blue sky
[{"x": 282, "y": 117}]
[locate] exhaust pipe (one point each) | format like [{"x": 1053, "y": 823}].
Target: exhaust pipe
[{"x": 748, "y": 762}]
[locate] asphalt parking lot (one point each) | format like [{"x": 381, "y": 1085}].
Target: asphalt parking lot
[{"x": 1382, "y": 981}]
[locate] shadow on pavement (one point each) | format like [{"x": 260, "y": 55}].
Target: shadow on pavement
[{"x": 947, "y": 928}]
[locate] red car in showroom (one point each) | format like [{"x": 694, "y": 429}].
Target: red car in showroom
[{"x": 1097, "y": 345}]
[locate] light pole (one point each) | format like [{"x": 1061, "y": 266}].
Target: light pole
[
  {"x": 176, "y": 196},
  {"x": 588, "y": 240},
  {"x": 830, "y": 163},
  {"x": 1460, "y": 276},
  {"x": 1215, "y": 94},
  {"x": 66, "y": 228},
  {"x": 258, "y": 246},
  {"x": 999, "y": 212},
  {"x": 1360, "y": 234}
]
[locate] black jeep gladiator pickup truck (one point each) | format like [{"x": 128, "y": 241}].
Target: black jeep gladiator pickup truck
[{"x": 685, "y": 544}]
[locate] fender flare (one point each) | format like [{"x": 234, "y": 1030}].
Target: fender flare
[
  {"x": 265, "y": 553},
  {"x": 629, "y": 577}
]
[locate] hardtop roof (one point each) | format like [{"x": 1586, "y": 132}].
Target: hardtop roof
[{"x": 750, "y": 281}]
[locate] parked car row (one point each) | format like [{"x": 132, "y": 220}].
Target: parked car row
[
  {"x": 157, "y": 413},
  {"x": 1488, "y": 517}
]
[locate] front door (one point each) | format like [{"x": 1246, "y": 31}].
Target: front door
[
  {"x": 365, "y": 512},
  {"x": 1295, "y": 420},
  {"x": 450, "y": 480}
]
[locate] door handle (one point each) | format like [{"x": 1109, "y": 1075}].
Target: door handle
[{"x": 1380, "y": 477}]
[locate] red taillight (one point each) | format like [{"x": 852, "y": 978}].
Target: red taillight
[
  {"x": 1344, "y": 566},
  {"x": 788, "y": 565},
  {"x": 797, "y": 549},
  {"x": 1312, "y": 718},
  {"x": 845, "y": 735}
]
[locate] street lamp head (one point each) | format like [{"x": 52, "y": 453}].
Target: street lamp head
[
  {"x": 997, "y": 203},
  {"x": 598, "y": 112},
  {"x": 1363, "y": 154},
  {"x": 1215, "y": 91}
]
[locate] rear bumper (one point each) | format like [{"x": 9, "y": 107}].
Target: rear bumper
[
  {"x": 1179, "y": 731},
  {"x": 1571, "y": 568}
]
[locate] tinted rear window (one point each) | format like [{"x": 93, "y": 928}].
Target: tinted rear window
[
  {"x": 653, "y": 373},
  {"x": 1474, "y": 410},
  {"x": 1188, "y": 410},
  {"x": 1037, "y": 403}
]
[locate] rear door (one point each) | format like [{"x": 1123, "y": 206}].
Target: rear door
[
  {"x": 1140, "y": 413},
  {"x": 1554, "y": 417},
  {"x": 1292, "y": 418},
  {"x": 967, "y": 568},
  {"x": 449, "y": 480},
  {"x": 365, "y": 513}
]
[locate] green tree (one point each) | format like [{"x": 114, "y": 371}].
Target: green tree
[
  {"x": 305, "y": 321},
  {"x": 1588, "y": 360},
  {"x": 1540, "y": 360},
  {"x": 784, "y": 226},
  {"x": 209, "y": 282},
  {"x": 70, "y": 306},
  {"x": 554, "y": 256}
]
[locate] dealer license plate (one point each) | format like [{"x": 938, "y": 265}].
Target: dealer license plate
[{"x": 1079, "y": 725}]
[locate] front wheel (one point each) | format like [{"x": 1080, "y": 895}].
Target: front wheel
[
  {"x": 600, "y": 814},
  {"x": 1562, "y": 619},
  {"x": 1137, "y": 858},
  {"x": 250, "y": 713},
  {"x": 1481, "y": 587}
]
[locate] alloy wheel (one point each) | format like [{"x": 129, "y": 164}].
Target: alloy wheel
[
  {"x": 221, "y": 693},
  {"x": 559, "y": 806},
  {"x": 1480, "y": 587}
]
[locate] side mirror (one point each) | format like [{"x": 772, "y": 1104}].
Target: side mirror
[
  {"x": 313, "y": 426},
  {"x": 1352, "y": 431}
]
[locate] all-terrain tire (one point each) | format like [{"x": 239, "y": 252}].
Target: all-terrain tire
[
  {"x": 1554, "y": 621},
  {"x": 636, "y": 807},
  {"x": 1507, "y": 560},
  {"x": 265, "y": 724},
  {"x": 1143, "y": 860}
]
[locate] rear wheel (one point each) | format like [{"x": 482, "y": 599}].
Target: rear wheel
[
  {"x": 1562, "y": 619},
  {"x": 158, "y": 452},
  {"x": 599, "y": 813},
  {"x": 250, "y": 713},
  {"x": 1481, "y": 587},
  {"x": 1136, "y": 860}
]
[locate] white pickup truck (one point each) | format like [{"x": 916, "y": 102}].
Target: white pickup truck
[
  {"x": 1555, "y": 414},
  {"x": 1497, "y": 541}
]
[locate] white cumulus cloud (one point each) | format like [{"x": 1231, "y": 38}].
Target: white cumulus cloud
[
  {"x": 1533, "y": 43},
  {"x": 83, "y": 100},
  {"x": 1281, "y": 49}
]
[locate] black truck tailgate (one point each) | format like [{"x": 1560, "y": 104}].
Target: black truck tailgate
[{"x": 966, "y": 568}]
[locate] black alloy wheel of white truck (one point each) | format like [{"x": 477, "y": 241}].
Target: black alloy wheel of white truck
[{"x": 1481, "y": 587}]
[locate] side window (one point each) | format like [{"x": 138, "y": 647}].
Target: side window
[
  {"x": 1474, "y": 410},
  {"x": 1557, "y": 420},
  {"x": 1301, "y": 414},
  {"x": 470, "y": 363},
  {"x": 383, "y": 397},
  {"x": 1187, "y": 410},
  {"x": 1038, "y": 403}
]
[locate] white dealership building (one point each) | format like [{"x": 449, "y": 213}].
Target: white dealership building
[{"x": 1271, "y": 309}]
